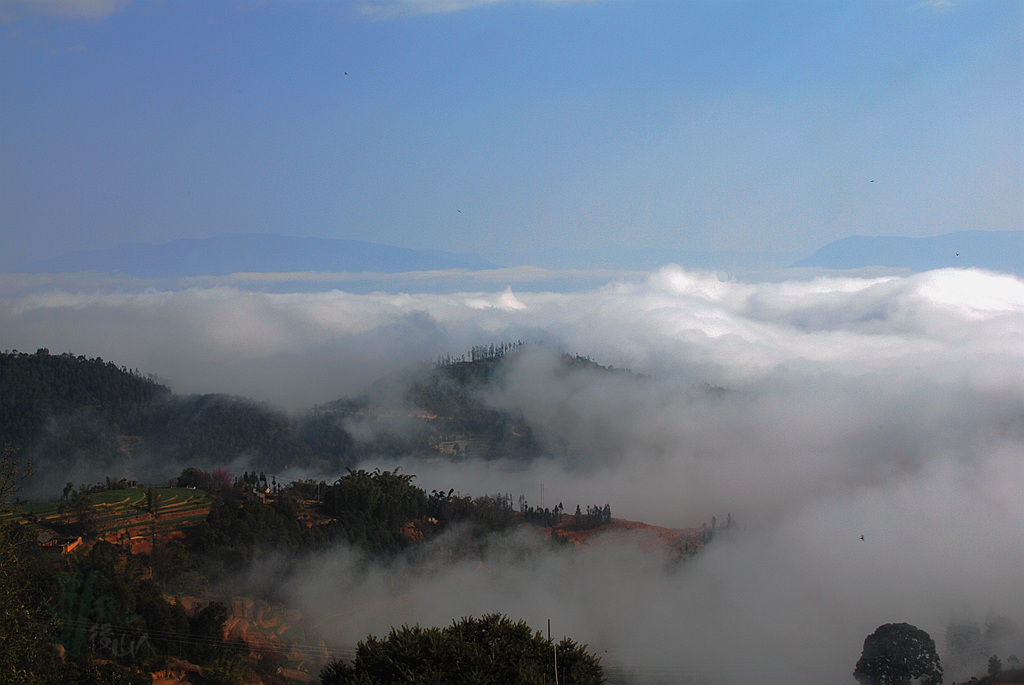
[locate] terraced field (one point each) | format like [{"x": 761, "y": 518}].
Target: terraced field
[{"x": 123, "y": 515}]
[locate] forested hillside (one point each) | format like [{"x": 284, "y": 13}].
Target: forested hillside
[
  {"x": 451, "y": 404},
  {"x": 80, "y": 420},
  {"x": 39, "y": 386}
]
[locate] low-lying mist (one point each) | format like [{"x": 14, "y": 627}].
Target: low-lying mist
[{"x": 814, "y": 411}]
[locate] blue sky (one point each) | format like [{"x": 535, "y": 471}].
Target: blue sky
[{"x": 508, "y": 128}]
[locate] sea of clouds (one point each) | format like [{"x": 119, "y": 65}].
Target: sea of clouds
[{"x": 884, "y": 405}]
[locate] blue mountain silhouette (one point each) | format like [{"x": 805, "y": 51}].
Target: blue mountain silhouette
[{"x": 992, "y": 250}]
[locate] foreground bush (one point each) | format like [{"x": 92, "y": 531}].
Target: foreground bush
[{"x": 491, "y": 650}]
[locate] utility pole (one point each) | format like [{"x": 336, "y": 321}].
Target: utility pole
[{"x": 555, "y": 648}]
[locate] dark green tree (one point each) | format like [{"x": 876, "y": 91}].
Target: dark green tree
[
  {"x": 206, "y": 633},
  {"x": 373, "y": 508},
  {"x": 191, "y": 477},
  {"x": 90, "y": 672},
  {"x": 896, "y": 654},
  {"x": 85, "y": 518},
  {"x": 491, "y": 650},
  {"x": 995, "y": 665},
  {"x": 25, "y": 655}
]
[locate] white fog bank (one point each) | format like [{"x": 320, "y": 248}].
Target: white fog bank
[{"x": 888, "y": 407}]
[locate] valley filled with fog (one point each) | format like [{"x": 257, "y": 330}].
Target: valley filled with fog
[{"x": 865, "y": 431}]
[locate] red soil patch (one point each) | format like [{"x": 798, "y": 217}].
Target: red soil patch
[{"x": 677, "y": 541}]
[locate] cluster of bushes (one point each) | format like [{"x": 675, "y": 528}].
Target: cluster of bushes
[{"x": 491, "y": 650}]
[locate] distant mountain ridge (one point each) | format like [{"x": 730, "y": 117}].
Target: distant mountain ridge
[
  {"x": 228, "y": 253},
  {"x": 79, "y": 419},
  {"x": 991, "y": 250}
]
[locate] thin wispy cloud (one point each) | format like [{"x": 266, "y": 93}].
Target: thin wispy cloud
[
  {"x": 69, "y": 9},
  {"x": 937, "y": 5},
  {"x": 386, "y": 9}
]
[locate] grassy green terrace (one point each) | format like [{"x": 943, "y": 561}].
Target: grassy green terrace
[{"x": 114, "y": 511}]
